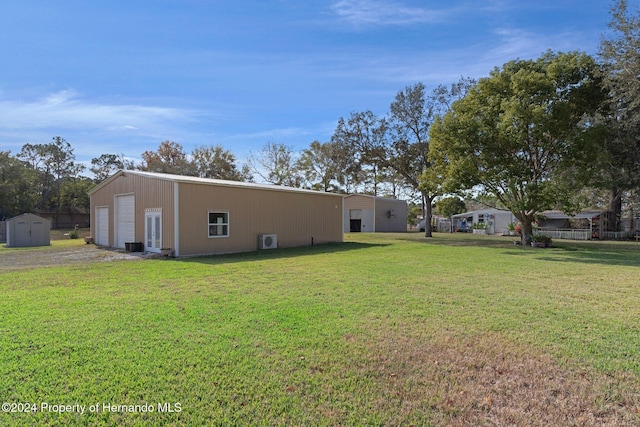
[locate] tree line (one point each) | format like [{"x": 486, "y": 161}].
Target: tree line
[
  {"x": 47, "y": 177},
  {"x": 550, "y": 133}
]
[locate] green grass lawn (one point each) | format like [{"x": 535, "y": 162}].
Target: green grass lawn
[{"x": 384, "y": 329}]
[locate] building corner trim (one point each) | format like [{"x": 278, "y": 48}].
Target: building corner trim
[{"x": 176, "y": 218}]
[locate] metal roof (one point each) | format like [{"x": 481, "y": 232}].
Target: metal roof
[
  {"x": 28, "y": 215},
  {"x": 208, "y": 181},
  {"x": 346, "y": 196},
  {"x": 579, "y": 215}
]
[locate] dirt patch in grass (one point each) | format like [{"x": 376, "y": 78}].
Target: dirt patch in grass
[
  {"x": 24, "y": 258},
  {"x": 487, "y": 380}
]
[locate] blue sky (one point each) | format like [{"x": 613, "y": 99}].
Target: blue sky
[{"x": 122, "y": 76}]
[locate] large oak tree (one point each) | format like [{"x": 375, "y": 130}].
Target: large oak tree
[
  {"x": 617, "y": 168},
  {"x": 519, "y": 133}
]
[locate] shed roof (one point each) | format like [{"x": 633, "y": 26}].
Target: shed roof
[
  {"x": 28, "y": 216},
  {"x": 208, "y": 181}
]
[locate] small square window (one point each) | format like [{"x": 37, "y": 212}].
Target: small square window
[{"x": 218, "y": 224}]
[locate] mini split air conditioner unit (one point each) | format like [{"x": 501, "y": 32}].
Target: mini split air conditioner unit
[{"x": 268, "y": 241}]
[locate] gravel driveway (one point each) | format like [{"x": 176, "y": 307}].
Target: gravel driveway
[{"x": 19, "y": 258}]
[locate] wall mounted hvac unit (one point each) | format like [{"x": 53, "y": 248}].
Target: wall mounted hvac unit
[{"x": 268, "y": 241}]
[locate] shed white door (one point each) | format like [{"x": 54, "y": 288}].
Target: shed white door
[
  {"x": 153, "y": 231},
  {"x": 102, "y": 226},
  {"x": 125, "y": 220}
]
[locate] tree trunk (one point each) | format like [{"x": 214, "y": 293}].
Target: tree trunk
[
  {"x": 526, "y": 231},
  {"x": 428, "y": 232},
  {"x": 615, "y": 207}
]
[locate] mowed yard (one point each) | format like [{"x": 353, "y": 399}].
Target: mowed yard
[{"x": 384, "y": 329}]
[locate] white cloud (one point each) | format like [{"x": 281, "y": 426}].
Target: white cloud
[
  {"x": 267, "y": 135},
  {"x": 475, "y": 59},
  {"x": 92, "y": 127},
  {"x": 520, "y": 44},
  {"x": 68, "y": 110},
  {"x": 377, "y": 12}
]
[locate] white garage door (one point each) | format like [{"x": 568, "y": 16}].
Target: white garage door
[
  {"x": 125, "y": 220},
  {"x": 102, "y": 226}
]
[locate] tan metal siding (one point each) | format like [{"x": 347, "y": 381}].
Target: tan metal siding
[
  {"x": 295, "y": 217},
  {"x": 394, "y": 221},
  {"x": 358, "y": 202},
  {"x": 149, "y": 194},
  {"x": 359, "y": 207}
]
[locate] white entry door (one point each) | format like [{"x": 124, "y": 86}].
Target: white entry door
[{"x": 153, "y": 231}]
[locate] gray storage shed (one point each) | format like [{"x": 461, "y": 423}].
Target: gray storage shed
[{"x": 28, "y": 230}]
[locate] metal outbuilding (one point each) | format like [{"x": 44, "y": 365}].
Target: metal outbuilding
[
  {"x": 364, "y": 213},
  {"x": 186, "y": 215},
  {"x": 28, "y": 230}
]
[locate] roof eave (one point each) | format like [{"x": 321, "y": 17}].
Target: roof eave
[{"x": 106, "y": 182}]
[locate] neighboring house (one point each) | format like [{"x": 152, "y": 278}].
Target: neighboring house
[
  {"x": 28, "y": 230},
  {"x": 493, "y": 221},
  {"x": 580, "y": 226},
  {"x": 194, "y": 216},
  {"x": 363, "y": 213}
]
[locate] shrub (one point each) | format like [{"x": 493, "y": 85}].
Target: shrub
[{"x": 541, "y": 238}]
